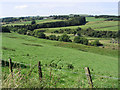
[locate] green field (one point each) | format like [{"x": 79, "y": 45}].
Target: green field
[
  {"x": 96, "y": 24},
  {"x": 29, "y": 50}
]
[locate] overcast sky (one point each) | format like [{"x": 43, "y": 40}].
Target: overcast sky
[{"x": 17, "y": 8}]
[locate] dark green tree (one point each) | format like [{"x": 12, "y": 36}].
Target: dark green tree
[
  {"x": 6, "y": 29},
  {"x": 52, "y": 37},
  {"x": 33, "y": 22},
  {"x": 81, "y": 40},
  {"x": 39, "y": 34},
  {"x": 64, "y": 38},
  {"x": 22, "y": 31}
]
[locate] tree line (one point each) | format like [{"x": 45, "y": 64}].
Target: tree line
[
  {"x": 65, "y": 38},
  {"x": 89, "y": 32},
  {"x": 71, "y": 22},
  {"x": 13, "y": 19}
]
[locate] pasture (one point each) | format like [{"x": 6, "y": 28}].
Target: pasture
[
  {"x": 96, "y": 24},
  {"x": 29, "y": 50}
]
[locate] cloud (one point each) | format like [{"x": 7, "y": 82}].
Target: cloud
[{"x": 21, "y": 7}]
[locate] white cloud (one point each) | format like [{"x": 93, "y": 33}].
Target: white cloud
[{"x": 21, "y": 7}]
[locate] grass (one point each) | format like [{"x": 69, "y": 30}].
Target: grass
[
  {"x": 30, "y": 50},
  {"x": 96, "y": 24},
  {"x": 91, "y": 19}
]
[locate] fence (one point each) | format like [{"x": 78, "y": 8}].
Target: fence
[{"x": 87, "y": 71}]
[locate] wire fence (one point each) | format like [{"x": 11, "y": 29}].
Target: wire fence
[
  {"x": 115, "y": 78},
  {"x": 91, "y": 74}
]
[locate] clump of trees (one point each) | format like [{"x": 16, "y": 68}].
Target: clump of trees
[
  {"x": 6, "y": 29},
  {"x": 81, "y": 40},
  {"x": 71, "y": 22},
  {"x": 22, "y": 31},
  {"x": 65, "y": 38},
  {"x": 99, "y": 34},
  {"x": 106, "y": 16},
  {"x": 39, "y": 34},
  {"x": 33, "y": 22},
  {"x": 14, "y": 19},
  {"x": 67, "y": 30},
  {"x": 52, "y": 37}
]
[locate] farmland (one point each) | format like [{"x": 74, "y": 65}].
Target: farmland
[
  {"x": 29, "y": 50},
  {"x": 47, "y": 50},
  {"x": 96, "y": 24}
]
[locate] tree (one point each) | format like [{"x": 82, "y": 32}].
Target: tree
[
  {"x": 81, "y": 40},
  {"x": 64, "y": 38},
  {"x": 33, "y": 22},
  {"x": 39, "y": 34},
  {"x": 52, "y": 37},
  {"x": 22, "y": 31},
  {"x": 5, "y": 29}
]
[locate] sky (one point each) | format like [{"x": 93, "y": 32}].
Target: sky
[{"x": 17, "y": 8}]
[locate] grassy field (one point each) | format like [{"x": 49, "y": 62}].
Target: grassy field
[
  {"x": 29, "y": 50},
  {"x": 96, "y": 24}
]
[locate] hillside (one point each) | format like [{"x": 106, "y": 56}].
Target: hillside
[{"x": 30, "y": 50}]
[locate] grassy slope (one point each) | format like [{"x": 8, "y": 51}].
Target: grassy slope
[{"x": 47, "y": 51}]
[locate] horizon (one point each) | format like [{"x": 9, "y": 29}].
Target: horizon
[{"x": 52, "y": 15}]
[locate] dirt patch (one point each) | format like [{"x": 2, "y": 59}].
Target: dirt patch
[
  {"x": 32, "y": 44},
  {"x": 5, "y": 48}
]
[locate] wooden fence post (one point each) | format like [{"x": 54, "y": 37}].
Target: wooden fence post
[
  {"x": 10, "y": 67},
  {"x": 87, "y": 71},
  {"x": 39, "y": 71}
]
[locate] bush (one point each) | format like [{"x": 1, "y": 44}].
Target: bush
[
  {"x": 5, "y": 29},
  {"x": 22, "y": 31},
  {"x": 39, "y": 34},
  {"x": 33, "y": 22},
  {"x": 52, "y": 37},
  {"x": 65, "y": 38},
  {"x": 96, "y": 43},
  {"x": 81, "y": 40}
]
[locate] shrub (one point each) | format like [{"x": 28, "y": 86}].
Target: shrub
[
  {"x": 81, "y": 40},
  {"x": 39, "y": 34},
  {"x": 5, "y": 29},
  {"x": 33, "y": 22},
  {"x": 22, "y": 31},
  {"x": 52, "y": 37},
  {"x": 65, "y": 38},
  {"x": 57, "y": 38}
]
